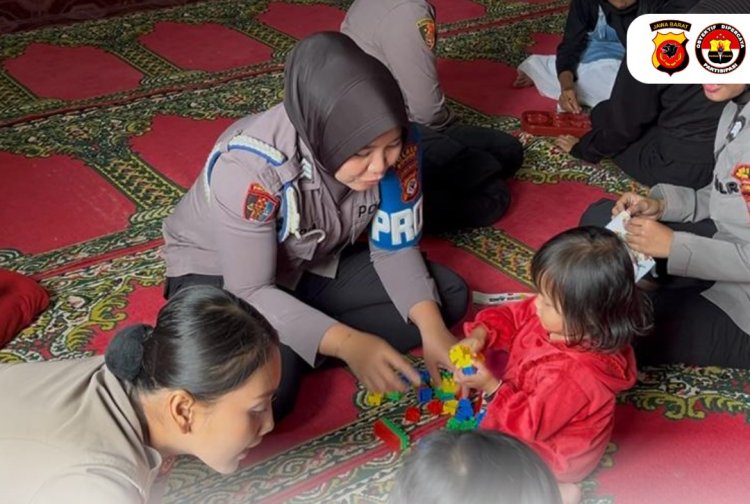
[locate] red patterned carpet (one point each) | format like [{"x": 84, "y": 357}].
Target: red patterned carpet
[{"x": 103, "y": 124}]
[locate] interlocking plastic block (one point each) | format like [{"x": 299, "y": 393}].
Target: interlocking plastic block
[
  {"x": 461, "y": 425},
  {"x": 373, "y": 398},
  {"x": 424, "y": 395},
  {"x": 461, "y": 356},
  {"x": 449, "y": 386},
  {"x": 394, "y": 395},
  {"x": 412, "y": 414},
  {"x": 435, "y": 406},
  {"x": 449, "y": 407},
  {"x": 424, "y": 375},
  {"x": 545, "y": 123},
  {"x": 443, "y": 395},
  {"x": 391, "y": 434},
  {"x": 464, "y": 411}
]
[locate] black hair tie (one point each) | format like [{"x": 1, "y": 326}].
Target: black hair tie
[{"x": 124, "y": 355}]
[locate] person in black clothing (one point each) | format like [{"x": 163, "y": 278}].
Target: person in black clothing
[
  {"x": 584, "y": 69},
  {"x": 656, "y": 133}
]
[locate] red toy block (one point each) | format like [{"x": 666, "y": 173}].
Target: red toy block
[
  {"x": 391, "y": 434},
  {"x": 543, "y": 123},
  {"x": 412, "y": 414},
  {"x": 435, "y": 407}
]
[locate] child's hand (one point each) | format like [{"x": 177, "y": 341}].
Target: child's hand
[
  {"x": 476, "y": 339},
  {"x": 482, "y": 380}
]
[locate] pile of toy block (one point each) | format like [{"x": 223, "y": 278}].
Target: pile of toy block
[{"x": 465, "y": 413}]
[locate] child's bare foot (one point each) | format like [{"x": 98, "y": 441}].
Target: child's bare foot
[
  {"x": 522, "y": 80},
  {"x": 570, "y": 492}
]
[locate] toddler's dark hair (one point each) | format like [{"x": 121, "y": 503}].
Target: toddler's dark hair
[
  {"x": 475, "y": 467},
  {"x": 588, "y": 273}
]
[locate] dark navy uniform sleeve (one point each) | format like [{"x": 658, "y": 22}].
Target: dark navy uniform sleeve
[
  {"x": 581, "y": 20},
  {"x": 395, "y": 232},
  {"x": 620, "y": 121},
  {"x": 245, "y": 196}
]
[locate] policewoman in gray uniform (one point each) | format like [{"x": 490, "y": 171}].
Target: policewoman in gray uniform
[
  {"x": 105, "y": 430},
  {"x": 465, "y": 166},
  {"x": 276, "y": 215},
  {"x": 702, "y": 296}
]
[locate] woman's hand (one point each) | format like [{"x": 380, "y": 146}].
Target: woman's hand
[
  {"x": 376, "y": 363},
  {"x": 566, "y": 142},
  {"x": 435, "y": 348},
  {"x": 639, "y": 206},
  {"x": 436, "y": 338},
  {"x": 648, "y": 236}
]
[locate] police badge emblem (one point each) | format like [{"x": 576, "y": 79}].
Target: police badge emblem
[
  {"x": 428, "y": 32},
  {"x": 670, "y": 54}
]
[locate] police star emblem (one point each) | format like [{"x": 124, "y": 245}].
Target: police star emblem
[
  {"x": 428, "y": 32},
  {"x": 670, "y": 54}
]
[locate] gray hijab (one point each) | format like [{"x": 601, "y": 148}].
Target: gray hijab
[{"x": 338, "y": 98}]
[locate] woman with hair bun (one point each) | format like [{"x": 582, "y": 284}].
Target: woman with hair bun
[{"x": 101, "y": 429}]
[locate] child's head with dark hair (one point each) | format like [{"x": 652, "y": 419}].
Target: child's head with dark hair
[
  {"x": 587, "y": 292},
  {"x": 476, "y": 467},
  {"x": 203, "y": 376},
  {"x": 206, "y": 340}
]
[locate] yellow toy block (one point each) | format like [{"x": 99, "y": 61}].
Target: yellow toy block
[
  {"x": 461, "y": 356},
  {"x": 449, "y": 407},
  {"x": 374, "y": 398},
  {"x": 449, "y": 386}
]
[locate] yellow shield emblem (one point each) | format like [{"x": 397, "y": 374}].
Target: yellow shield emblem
[{"x": 670, "y": 55}]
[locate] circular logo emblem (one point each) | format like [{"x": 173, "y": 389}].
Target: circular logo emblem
[{"x": 720, "y": 48}]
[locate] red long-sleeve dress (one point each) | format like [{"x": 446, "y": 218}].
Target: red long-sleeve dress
[{"x": 559, "y": 400}]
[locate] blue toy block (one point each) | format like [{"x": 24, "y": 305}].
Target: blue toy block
[
  {"x": 464, "y": 410},
  {"x": 424, "y": 395},
  {"x": 424, "y": 375},
  {"x": 469, "y": 370}
]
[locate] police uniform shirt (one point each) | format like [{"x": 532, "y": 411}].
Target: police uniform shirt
[
  {"x": 402, "y": 34},
  {"x": 725, "y": 258},
  {"x": 235, "y": 225},
  {"x": 69, "y": 435}
]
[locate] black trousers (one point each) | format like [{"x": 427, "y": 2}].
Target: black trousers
[
  {"x": 688, "y": 328},
  {"x": 357, "y": 298},
  {"x": 646, "y": 161},
  {"x": 464, "y": 172}
]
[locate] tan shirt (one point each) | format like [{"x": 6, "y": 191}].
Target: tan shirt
[
  {"x": 69, "y": 434},
  {"x": 402, "y": 35},
  {"x": 725, "y": 257},
  {"x": 210, "y": 232}
]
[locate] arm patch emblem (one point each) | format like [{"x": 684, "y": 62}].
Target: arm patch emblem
[
  {"x": 408, "y": 173},
  {"x": 428, "y": 32},
  {"x": 260, "y": 205}
]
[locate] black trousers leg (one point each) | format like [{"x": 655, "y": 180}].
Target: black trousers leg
[
  {"x": 357, "y": 298},
  {"x": 690, "y": 329},
  {"x": 293, "y": 367},
  {"x": 505, "y": 148},
  {"x": 646, "y": 162},
  {"x": 464, "y": 173}
]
